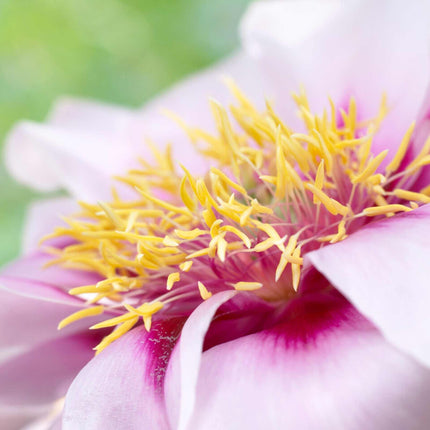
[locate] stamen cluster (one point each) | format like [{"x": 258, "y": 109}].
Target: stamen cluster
[{"x": 272, "y": 195}]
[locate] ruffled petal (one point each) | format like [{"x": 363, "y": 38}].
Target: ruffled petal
[
  {"x": 183, "y": 370},
  {"x": 123, "y": 386},
  {"x": 383, "y": 269},
  {"x": 345, "y": 49},
  {"x": 325, "y": 368}
]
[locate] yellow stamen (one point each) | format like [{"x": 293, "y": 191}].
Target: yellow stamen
[
  {"x": 186, "y": 266},
  {"x": 172, "y": 278},
  {"x": 395, "y": 163},
  {"x": 116, "y": 334},
  {"x": 384, "y": 210},
  {"x": 266, "y": 187},
  {"x": 83, "y": 313},
  {"x": 247, "y": 286},
  {"x": 204, "y": 293}
]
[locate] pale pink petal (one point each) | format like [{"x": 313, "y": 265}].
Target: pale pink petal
[
  {"x": 384, "y": 270},
  {"x": 109, "y": 121},
  {"x": 42, "y": 217},
  {"x": 49, "y": 421},
  {"x": 344, "y": 49},
  {"x": 325, "y": 368},
  {"x": 184, "y": 366},
  {"x": 31, "y": 267},
  {"x": 419, "y": 138},
  {"x": 85, "y": 143},
  {"x": 43, "y": 373},
  {"x": 47, "y": 157},
  {"x": 34, "y": 301},
  {"x": 189, "y": 100},
  {"x": 122, "y": 387},
  {"x": 27, "y": 320},
  {"x": 16, "y": 418}
]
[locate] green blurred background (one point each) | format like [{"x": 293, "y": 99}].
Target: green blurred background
[{"x": 117, "y": 51}]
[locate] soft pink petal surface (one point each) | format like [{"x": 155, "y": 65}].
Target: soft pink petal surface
[
  {"x": 343, "y": 49},
  {"x": 43, "y": 374},
  {"x": 31, "y": 267},
  {"x": 17, "y": 418},
  {"x": 42, "y": 218},
  {"x": 383, "y": 270},
  {"x": 325, "y": 368},
  {"x": 34, "y": 301},
  {"x": 122, "y": 387},
  {"x": 190, "y": 101},
  {"x": 47, "y": 157}
]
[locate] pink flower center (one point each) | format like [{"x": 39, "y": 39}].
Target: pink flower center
[{"x": 272, "y": 196}]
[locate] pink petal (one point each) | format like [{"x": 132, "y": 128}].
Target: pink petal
[
  {"x": 31, "y": 267},
  {"x": 16, "y": 418},
  {"x": 47, "y": 157},
  {"x": 346, "y": 48},
  {"x": 189, "y": 100},
  {"x": 34, "y": 301},
  {"x": 383, "y": 269},
  {"x": 123, "y": 386},
  {"x": 43, "y": 374},
  {"x": 102, "y": 119},
  {"x": 325, "y": 368},
  {"x": 184, "y": 366},
  {"x": 85, "y": 143},
  {"x": 28, "y": 320},
  {"x": 42, "y": 217}
]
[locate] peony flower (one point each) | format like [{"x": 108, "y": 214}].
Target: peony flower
[{"x": 267, "y": 270}]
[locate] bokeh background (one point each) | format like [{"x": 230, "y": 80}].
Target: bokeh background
[{"x": 116, "y": 51}]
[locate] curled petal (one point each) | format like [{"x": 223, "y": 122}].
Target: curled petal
[
  {"x": 325, "y": 368},
  {"x": 184, "y": 365},
  {"x": 122, "y": 387},
  {"x": 383, "y": 270}
]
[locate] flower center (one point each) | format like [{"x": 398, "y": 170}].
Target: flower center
[{"x": 272, "y": 196}]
